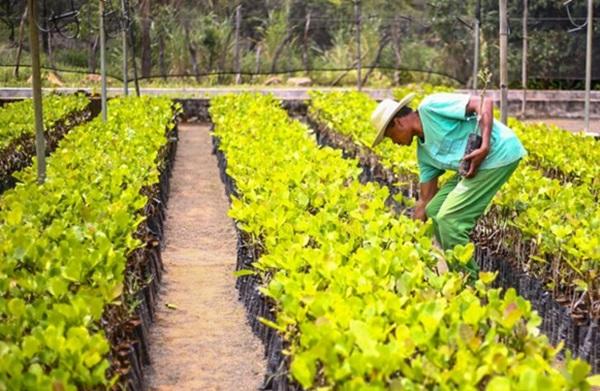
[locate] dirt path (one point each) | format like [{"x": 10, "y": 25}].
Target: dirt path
[{"x": 203, "y": 341}]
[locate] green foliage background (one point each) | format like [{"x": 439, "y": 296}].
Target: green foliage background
[{"x": 185, "y": 41}]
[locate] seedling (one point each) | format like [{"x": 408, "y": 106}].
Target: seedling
[{"x": 474, "y": 140}]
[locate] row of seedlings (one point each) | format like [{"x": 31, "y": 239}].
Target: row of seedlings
[
  {"x": 80, "y": 254},
  {"x": 17, "y": 132},
  {"x": 352, "y": 288},
  {"x": 348, "y": 113}
]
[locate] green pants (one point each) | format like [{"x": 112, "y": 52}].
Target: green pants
[{"x": 460, "y": 202}]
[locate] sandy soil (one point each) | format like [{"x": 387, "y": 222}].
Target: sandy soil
[{"x": 201, "y": 340}]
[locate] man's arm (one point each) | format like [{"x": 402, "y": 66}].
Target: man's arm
[
  {"x": 426, "y": 193},
  {"x": 486, "y": 113}
]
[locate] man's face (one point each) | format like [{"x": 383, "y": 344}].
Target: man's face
[{"x": 399, "y": 132}]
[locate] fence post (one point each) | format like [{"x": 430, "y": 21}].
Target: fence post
[
  {"x": 238, "y": 22},
  {"x": 358, "y": 54},
  {"x": 588, "y": 63},
  {"x": 476, "y": 32},
  {"x": 102, "y": 59},
  {"x": 40, "y": 142},
  {"x": 136, "y": 81},
  {"x": 524, "y": 62},
  {"x": 476, "y": 55},
  {"x": 125, "y": 26},
  {"x": 396, "y": 47},
  {"x": 503, "y": 62}
]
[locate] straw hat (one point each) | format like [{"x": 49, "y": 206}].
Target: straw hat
[{"x": 383, "y": 114}]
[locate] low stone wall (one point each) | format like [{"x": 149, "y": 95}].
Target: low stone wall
[
  {"x": 550, "y": 104},
  {"x": 540, "y": 104}
]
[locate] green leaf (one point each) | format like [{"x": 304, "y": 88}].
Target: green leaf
[
  {"x": 499, "y": 383},
  {"x": 116, "y": 292},
  {"x": 487, "y": 277},
  {"x": 594, "y": 381},
  {"x": 579, "y": 371},
  {"x": 364, "y": 337},
  {"x": 57, "y": 286},
  {"x": 303, "y": 369},
  {"x": 30, "y": 346},
  {"x": 271, "y": 324},
  {"x": 464, "y": 254},
  {"x": 15, "y": 215},
  {"x": 91, "y": 358},
  {"x": 244, "y": 272},
  {"x": 582, "y": 285},
  {"x": 474, "y": 313},
  {"x": 16, "y": 307},
  {"x": 512, "y": 313}
]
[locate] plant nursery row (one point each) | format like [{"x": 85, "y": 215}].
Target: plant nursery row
[
  {"x": 550, "y": 225},
  {"x": 546, "y": 228},
  {"x": 353, "y": 286},
  {"x": 17, "y": 130},
  {"x": 76, "y": 250}
]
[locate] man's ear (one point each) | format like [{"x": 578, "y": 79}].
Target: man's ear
[{"x": 389, "y": 127}]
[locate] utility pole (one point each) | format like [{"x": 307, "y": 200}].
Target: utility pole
[
  {"x": 125, "y": 26},
  {"x": 503, "y": 62},
  {"x": 588, "y": 63},
  {"x": 358, "y": 54},
  {"x": 476, "y": 32},
  {"x": 524, "y": 60},
  {"x": 102, "y": 59},
  {"x": 40, "y": 141}
]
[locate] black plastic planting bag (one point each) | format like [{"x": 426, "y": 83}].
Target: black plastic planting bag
[{"x": 473, "y": 143}]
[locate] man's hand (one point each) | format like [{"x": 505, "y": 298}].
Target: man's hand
[
  {"x": 485, "y": 109},
  {"x": 426, "y": 192},
  {"x": 475, "y": 159},
  {"x": 419, "y": 212}
]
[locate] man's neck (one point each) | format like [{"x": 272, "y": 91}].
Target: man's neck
[{"x": 417, "y": 126}]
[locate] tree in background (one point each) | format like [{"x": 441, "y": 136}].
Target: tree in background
[
  {"x": 556, "y": 56},
  {"x": 9, "y": 14},
  {"x": 401, "y": 40},
  {"x": 145, "y": 18}
]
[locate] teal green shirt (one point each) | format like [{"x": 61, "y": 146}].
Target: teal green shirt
[{"x": 446, "y": 128}]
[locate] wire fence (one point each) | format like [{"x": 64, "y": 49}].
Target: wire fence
[{"x": 376, "y": 49}]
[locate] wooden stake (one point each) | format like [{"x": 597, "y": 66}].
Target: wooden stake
[
  {"x": 238, "y": 23},
  {"x": 358, "y": 54},
  {"x": 124, "y": 44},
  {"x": 503, "y": 62},
  {"x": 588, "y": 63},
  {"x": 40, "y": 142},
  {"x": 524, "y": 61},
  {"x": 102, "y": 60},
  {"x": 476, "y": 33}
]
